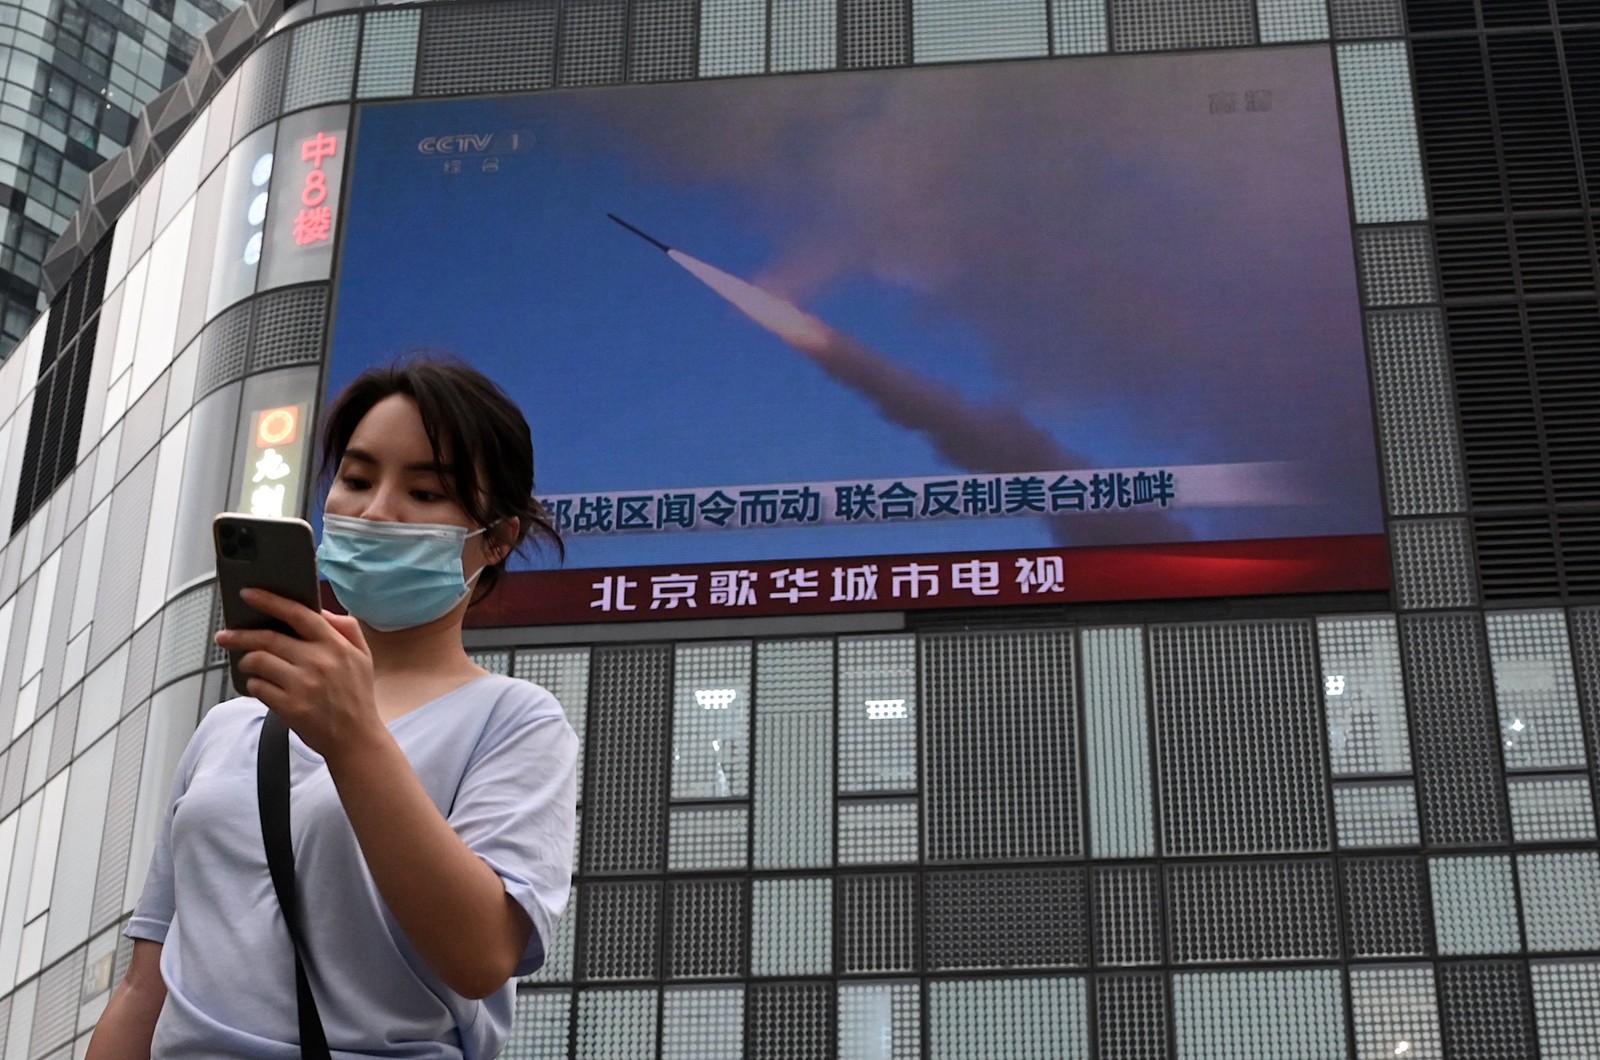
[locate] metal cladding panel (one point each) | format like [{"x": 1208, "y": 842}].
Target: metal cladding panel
[
  {"x": 1386, "y": 907},
  {"x": 701, "y": 1023},
  {"x": 262, "y": 80},
  {"x": 874, "y": 33},
  {"x": 707, "y": 925},
  {"x": 794, "y": 754},
  {"x": 1007, "y": 918},
  {"x": 626, "y": 779},
  {"x": 878, "y": 920},
  {"x": 593, "y": 42},
  {"x": 1486, "y": 1009},
  {"x": 1566, "y": 998},
  {"x": 116, "y": 840},
  {"x": 322, "y": 62},
  {"x": 622, "y": 923},
  {"x": 1242, "y": 764},
  {"x": 55, "y": 1010},
  {"x": 1001, "y": 746},
  {"x": 1127, "y": 915},
  {"x": 1422, "y": 456},
  {"x": 1131, "y": 1017},
  {"x": 617, "y": 1024},
  {"x": 1272, "y": 911},
  {"x": 662, "y": 43},
  {"x": 1456, "y": 739},
  {"x": 495, "y": 47},
  {"x": 1393, "y": 1004},
  {"x": 388, "y": 66},
  {"x": 289, "y": 328},
  {"x": 791, "y": 1021},
  {"x": 1433, "y": 565},
  {"x": 119, "y": 580},
  {"x": 1162, "y": 25}
]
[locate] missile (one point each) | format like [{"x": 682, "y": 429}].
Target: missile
[{"x": 652, "y": 240}]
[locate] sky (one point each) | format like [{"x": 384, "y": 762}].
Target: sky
[{"x": 1082, "y": 248}]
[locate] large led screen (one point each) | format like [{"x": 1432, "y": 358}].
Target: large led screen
[{"x": 998, "y": 333}]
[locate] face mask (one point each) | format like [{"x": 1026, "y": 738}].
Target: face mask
[{"x": 394, "y": 575}]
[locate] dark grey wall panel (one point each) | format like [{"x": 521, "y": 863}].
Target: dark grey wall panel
[
  {"x": 625, "y": 782},
  {"x": 707, "y": 929},
  {"x": 593, "y": 42},
  {"x": 1239, "y": 723},
  {"x": 1007, "y": 918},
  {"x": 790, "y": 1021},
  {"x": 1386, "y": 907},
  {"x": 1131, "y": 1015},
  {"x": 878, "y": 919},
  {"x": 622, "y": 922},
  {"x": 1127, "y": 915},
  {"x": 1282, "y": 910},
  {"x": 1455, "y": 733},
  {"x": 662, "y": 45},
  {"x": 1000, "y": 746},
  {"x": 1485, "y": 1010},
  {"x": 874, "y": 33},
  {"x": 486, "y": 48}
]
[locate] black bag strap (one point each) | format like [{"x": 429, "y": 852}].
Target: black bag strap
[{"x": 272, "y": 793}]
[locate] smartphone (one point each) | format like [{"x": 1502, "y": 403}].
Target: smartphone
[{"x": 256, "y": 552}]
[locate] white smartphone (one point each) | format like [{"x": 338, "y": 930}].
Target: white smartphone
[{"x": 256, "y": 552}]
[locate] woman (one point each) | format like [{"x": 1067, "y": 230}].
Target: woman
[{"x": 433, "y": 803}]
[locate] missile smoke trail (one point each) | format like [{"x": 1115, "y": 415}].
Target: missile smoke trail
[{"x": 986, "y": 439}]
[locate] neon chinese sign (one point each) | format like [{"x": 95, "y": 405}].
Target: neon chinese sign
[
  {"x": 273, "y": 462},
  {"x": 314, "y": 223}
]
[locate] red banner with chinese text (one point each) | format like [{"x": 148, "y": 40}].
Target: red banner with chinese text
[{"x": 979, "y": 579}]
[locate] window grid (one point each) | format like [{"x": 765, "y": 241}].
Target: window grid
[
  {"x": 1535, "y": 691},
  {"x": 1551, "y": 809},
  {"x": 711, "y": 722},
  {"x": 707, "y": 838},
  {"x": 1364, "y": 695},
  {"x": 1376, "y": 814},
  {"x": 881, "y": 1020},
  {"x": 877, "y": 832},
  {"x": 878, "y": 714}
]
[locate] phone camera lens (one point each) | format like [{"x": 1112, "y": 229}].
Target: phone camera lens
[
  {"x": 226, "y": 531},
  {"x": 246, "y": 538},
  {"x": 229, "y": 549}
]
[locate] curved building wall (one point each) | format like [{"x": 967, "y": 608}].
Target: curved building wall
[{"x": 1304, "y": 827}]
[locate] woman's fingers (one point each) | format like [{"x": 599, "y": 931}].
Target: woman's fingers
[{"x": 309, "y": 624}]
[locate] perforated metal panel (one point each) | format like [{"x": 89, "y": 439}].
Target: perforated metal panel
[
  {"x": 1364, "y": 696},
  {"x": 559, "y": 951},
  {"x": 1386, "y": 907},
  {"x": 1396, "y": 265},
  {"x": 707, "y": 929},
  {"x": 951, "y": 30},
  {"x": 1485, "y": 1007},
  {"x": 733, "y": 37},
  {"x": 979, "y": 1019},
  {"x": 1566, "y": 1000},
  {"x": 1433, "y": 563},
  {"x": 1282, "y": 21},
  {"x": 707, "y": 837},
  {"x": 288, "y": 328},
  {"x": 224, "y": 345},
  {"x": 1561, "y": 901},
  {"x": 711, "y": 721},
  {"x": 1161, "y": 25},
  {"x": 1381, "y": 133},
  {"x": 116, "y": 838},
  {"x": 1117, "y": 744},
  {"x": 805, "y": 35},
  {"x": 1080, "y": 27},
  {"x": 1547, "y": 809},
  {"x": 878, "y": 920},
  {"x": 1131, "y": 1017},
  {"x": 1006, "y": 918},
  {"x": 877, "y": 831},
  {"x": 792, "y": 927},
  {"x": 63, "y": 732},
  {"x": 1296, "y": 1014},
  {"x": 489, "y": 47},
  {"x": 388, "y": 54},
  {"x": 1252, "y": 912},
  {"x": 1422, "y": 462},
  {"x": 1354, "y": 19},
  {"x": 874, "y": 33},
  {"x": 1396, "y": 1012},
  {"x": 702, "y": 1023},
  {"x": 1376, "y": 814},
  {"x": 625, "y": 792},
  {"x": 1241, "y": 753},
  {"x": 261, "y": 82},
  {"x": 1127, "y": 915},
  {"x": 622, "y": 924},
  {"x": 877, "y": 700},
  {"x": 1474, "y": 905},
  {"x": 185, "y": 634},
  {"x": 880, "y": 1019},
  {"x": 139, "y": 680},
  {"x": 662, "y": 44},
  {"x": 790, "y": 1021},
  {"x": 1456, "y": 745},
  {"x": 592, "y": 42},
  {"x": 322, "y": 62},
  {"x": 541, "y": 1027},
  {"x": 616, "y": 1024},
  {"x": 1534, "y": 689},
  {"x": 794, "y": 754},
  {"x": 1001, "y": 746}
]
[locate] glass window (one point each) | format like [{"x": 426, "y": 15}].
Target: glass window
[{"x": 241, "y": 222}]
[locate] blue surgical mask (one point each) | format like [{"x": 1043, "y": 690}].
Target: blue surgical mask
[{"x": 394, "y": 575}]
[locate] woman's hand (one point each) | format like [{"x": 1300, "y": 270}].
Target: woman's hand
[{"x": 320, "y": 683}]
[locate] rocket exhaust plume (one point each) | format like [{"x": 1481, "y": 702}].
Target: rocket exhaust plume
[{"x": 986, "y": 439}]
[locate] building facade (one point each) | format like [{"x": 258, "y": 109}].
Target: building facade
[
  {"x": 1338, "y": 825},
  {"x": 79, "y": 75}
]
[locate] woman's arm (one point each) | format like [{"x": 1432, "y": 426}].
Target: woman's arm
[{"x": 129, "y": 1021}]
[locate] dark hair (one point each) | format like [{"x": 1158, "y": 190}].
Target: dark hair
[{"x": 472, "y": 420}]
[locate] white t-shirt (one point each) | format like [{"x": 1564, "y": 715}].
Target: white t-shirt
[{"x": 499, "y": 760}]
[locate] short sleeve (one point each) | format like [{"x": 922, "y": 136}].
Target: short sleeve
[
  {"x": 517, "y": 809},
  {"x": 152, "y": 914}
]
